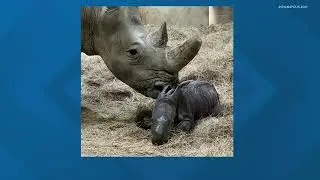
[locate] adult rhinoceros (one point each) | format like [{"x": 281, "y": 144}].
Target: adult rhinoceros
[{"x": 137, "y": 58}]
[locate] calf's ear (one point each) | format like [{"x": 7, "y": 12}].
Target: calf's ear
[
  {"x": 176, "y": 94},
  {"x": 164, "y": 91}
]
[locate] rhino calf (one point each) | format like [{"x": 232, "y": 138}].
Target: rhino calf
[
  {"x": 181, "y": 107},
  {"x": 163, "y": 115}
]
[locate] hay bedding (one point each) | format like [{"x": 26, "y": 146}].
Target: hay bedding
[{"x": 109, "y": 106}]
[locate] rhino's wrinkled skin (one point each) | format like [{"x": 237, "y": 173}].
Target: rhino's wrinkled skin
[
  {"x": 181, "y": 107},
  {"x": 139, "y": 59}
]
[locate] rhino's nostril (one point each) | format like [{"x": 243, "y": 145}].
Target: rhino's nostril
[
  {"x": 159, "y": 85},
  {"x": 174, "y": 81}
]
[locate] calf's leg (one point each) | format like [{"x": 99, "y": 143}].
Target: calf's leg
[
  {"x": 143, "y": 117},
  {"x": 185, "y": 123}
]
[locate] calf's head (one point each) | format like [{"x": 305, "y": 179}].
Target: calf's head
[
  {"x": 163, "y": 115},
  {"x": 139, "y": 59}
]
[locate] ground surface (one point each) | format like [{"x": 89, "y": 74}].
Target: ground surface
[{"x": 109, "y": 106}]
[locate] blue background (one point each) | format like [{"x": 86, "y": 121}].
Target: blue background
[{"x": 276, "y": 90}]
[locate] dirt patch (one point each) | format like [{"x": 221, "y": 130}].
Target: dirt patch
[{"x": 109, "y": 106}]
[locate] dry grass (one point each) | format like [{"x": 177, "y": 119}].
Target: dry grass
[{"x": 110, "y": 106}]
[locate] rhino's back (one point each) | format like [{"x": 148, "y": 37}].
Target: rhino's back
[{"x": 199, "y": 98}]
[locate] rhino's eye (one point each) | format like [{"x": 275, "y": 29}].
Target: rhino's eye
[
  {"x": 133, "y": 56},
  {"x": 133, "y": 52}
]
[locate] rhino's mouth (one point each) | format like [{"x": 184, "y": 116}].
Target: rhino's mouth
[
  {"x": 156, "y": 89},
  {"x": 154, "y": 86}
]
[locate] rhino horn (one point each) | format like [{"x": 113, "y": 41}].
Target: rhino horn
[
  {"x": 160, "y": 37},
  {"x": 180, "y": 56}
]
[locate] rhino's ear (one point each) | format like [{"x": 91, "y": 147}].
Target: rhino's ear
[
  {"x": 160, "y": 37},
  {"x": 111, "y": 9}
]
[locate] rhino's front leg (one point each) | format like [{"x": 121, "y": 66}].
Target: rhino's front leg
[{"x": 143, "y": 117}]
